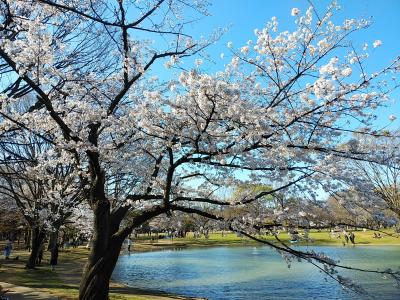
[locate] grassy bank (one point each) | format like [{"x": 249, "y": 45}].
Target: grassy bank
[
  {"x": 230, "y": 239},
  {"x": 64, "y": 282}
]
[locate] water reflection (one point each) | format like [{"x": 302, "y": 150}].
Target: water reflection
[{"x": 253, "y": 273}]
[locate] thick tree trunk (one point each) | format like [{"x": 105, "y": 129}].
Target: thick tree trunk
[
  {"x": 53, "y": 238},
  {"x": 103, "y": 255},
  {"x": 107, "y": 235},
  {"x": 96, "y": 277},
  {"x": 53, "y": 242},
  {"x": 38, "y": 236}
]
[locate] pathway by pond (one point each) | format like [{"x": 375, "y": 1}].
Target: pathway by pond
[{"x": 255, "y": 273}]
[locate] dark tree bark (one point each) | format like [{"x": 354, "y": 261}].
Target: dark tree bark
[
  {"x": 27, "y": 238},
  {"x": 104, "y": 254},
  {"x": 107, "y": 242},
  {"x": 53, "y": 238},
  {"x": 96, "y": 279},
  {"x": 53, "y": 242},
  {"x": 38, "y": 235}
]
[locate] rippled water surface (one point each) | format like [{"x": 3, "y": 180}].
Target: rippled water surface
[{"x": 255, "y": 273}]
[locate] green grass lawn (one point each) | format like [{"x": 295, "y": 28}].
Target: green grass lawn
[
  {"x": 231, "y": 239},
  {"x": 64, "y": 282}
]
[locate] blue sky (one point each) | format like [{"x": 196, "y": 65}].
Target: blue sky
[{"x": 242, "y": 17}]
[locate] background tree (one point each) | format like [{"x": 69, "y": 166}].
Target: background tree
[
  {"x": 380, "y": 177},
  {"x": 12, "y": 223},
  {"x": 44, "y": 193}
]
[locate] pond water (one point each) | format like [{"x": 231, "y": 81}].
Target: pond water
[{"x": 255, "y": 273}]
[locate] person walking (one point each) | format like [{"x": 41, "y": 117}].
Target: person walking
[
  {"x": 54, "y": 256},
  {"x": 346, "y": 237}
]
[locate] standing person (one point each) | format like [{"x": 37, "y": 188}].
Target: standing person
[
  {"x": 346, "y": 237},
  {"x": 8, "y": 249},
  {"x": 7, "y": 252},
  {"x": 129, "y": 245},
  {"x": 352, "y": 238},
  {"x": 54, "y": 256}
]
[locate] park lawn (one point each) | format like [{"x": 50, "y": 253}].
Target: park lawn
[
  {"x": 361, "y": 238},
  {"x": 230, "y": 239},
  {"x": 64, "y": 282}
]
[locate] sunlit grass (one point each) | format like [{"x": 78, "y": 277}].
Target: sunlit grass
[
  {"x": 315, "y": 238},
  {"x": 64, "y": 282}
]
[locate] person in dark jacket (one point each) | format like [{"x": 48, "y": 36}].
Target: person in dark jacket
[
  {"x": 54, "y": 256},
  {"x": 352, "y": 238}
]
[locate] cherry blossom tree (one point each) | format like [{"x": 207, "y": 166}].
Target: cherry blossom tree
[
  {"x": 376, "y": 180},
  {"x": 44, "y": 190},
  {"x": 280, "y": 113},
  {"x": 85, "y": 64}
]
